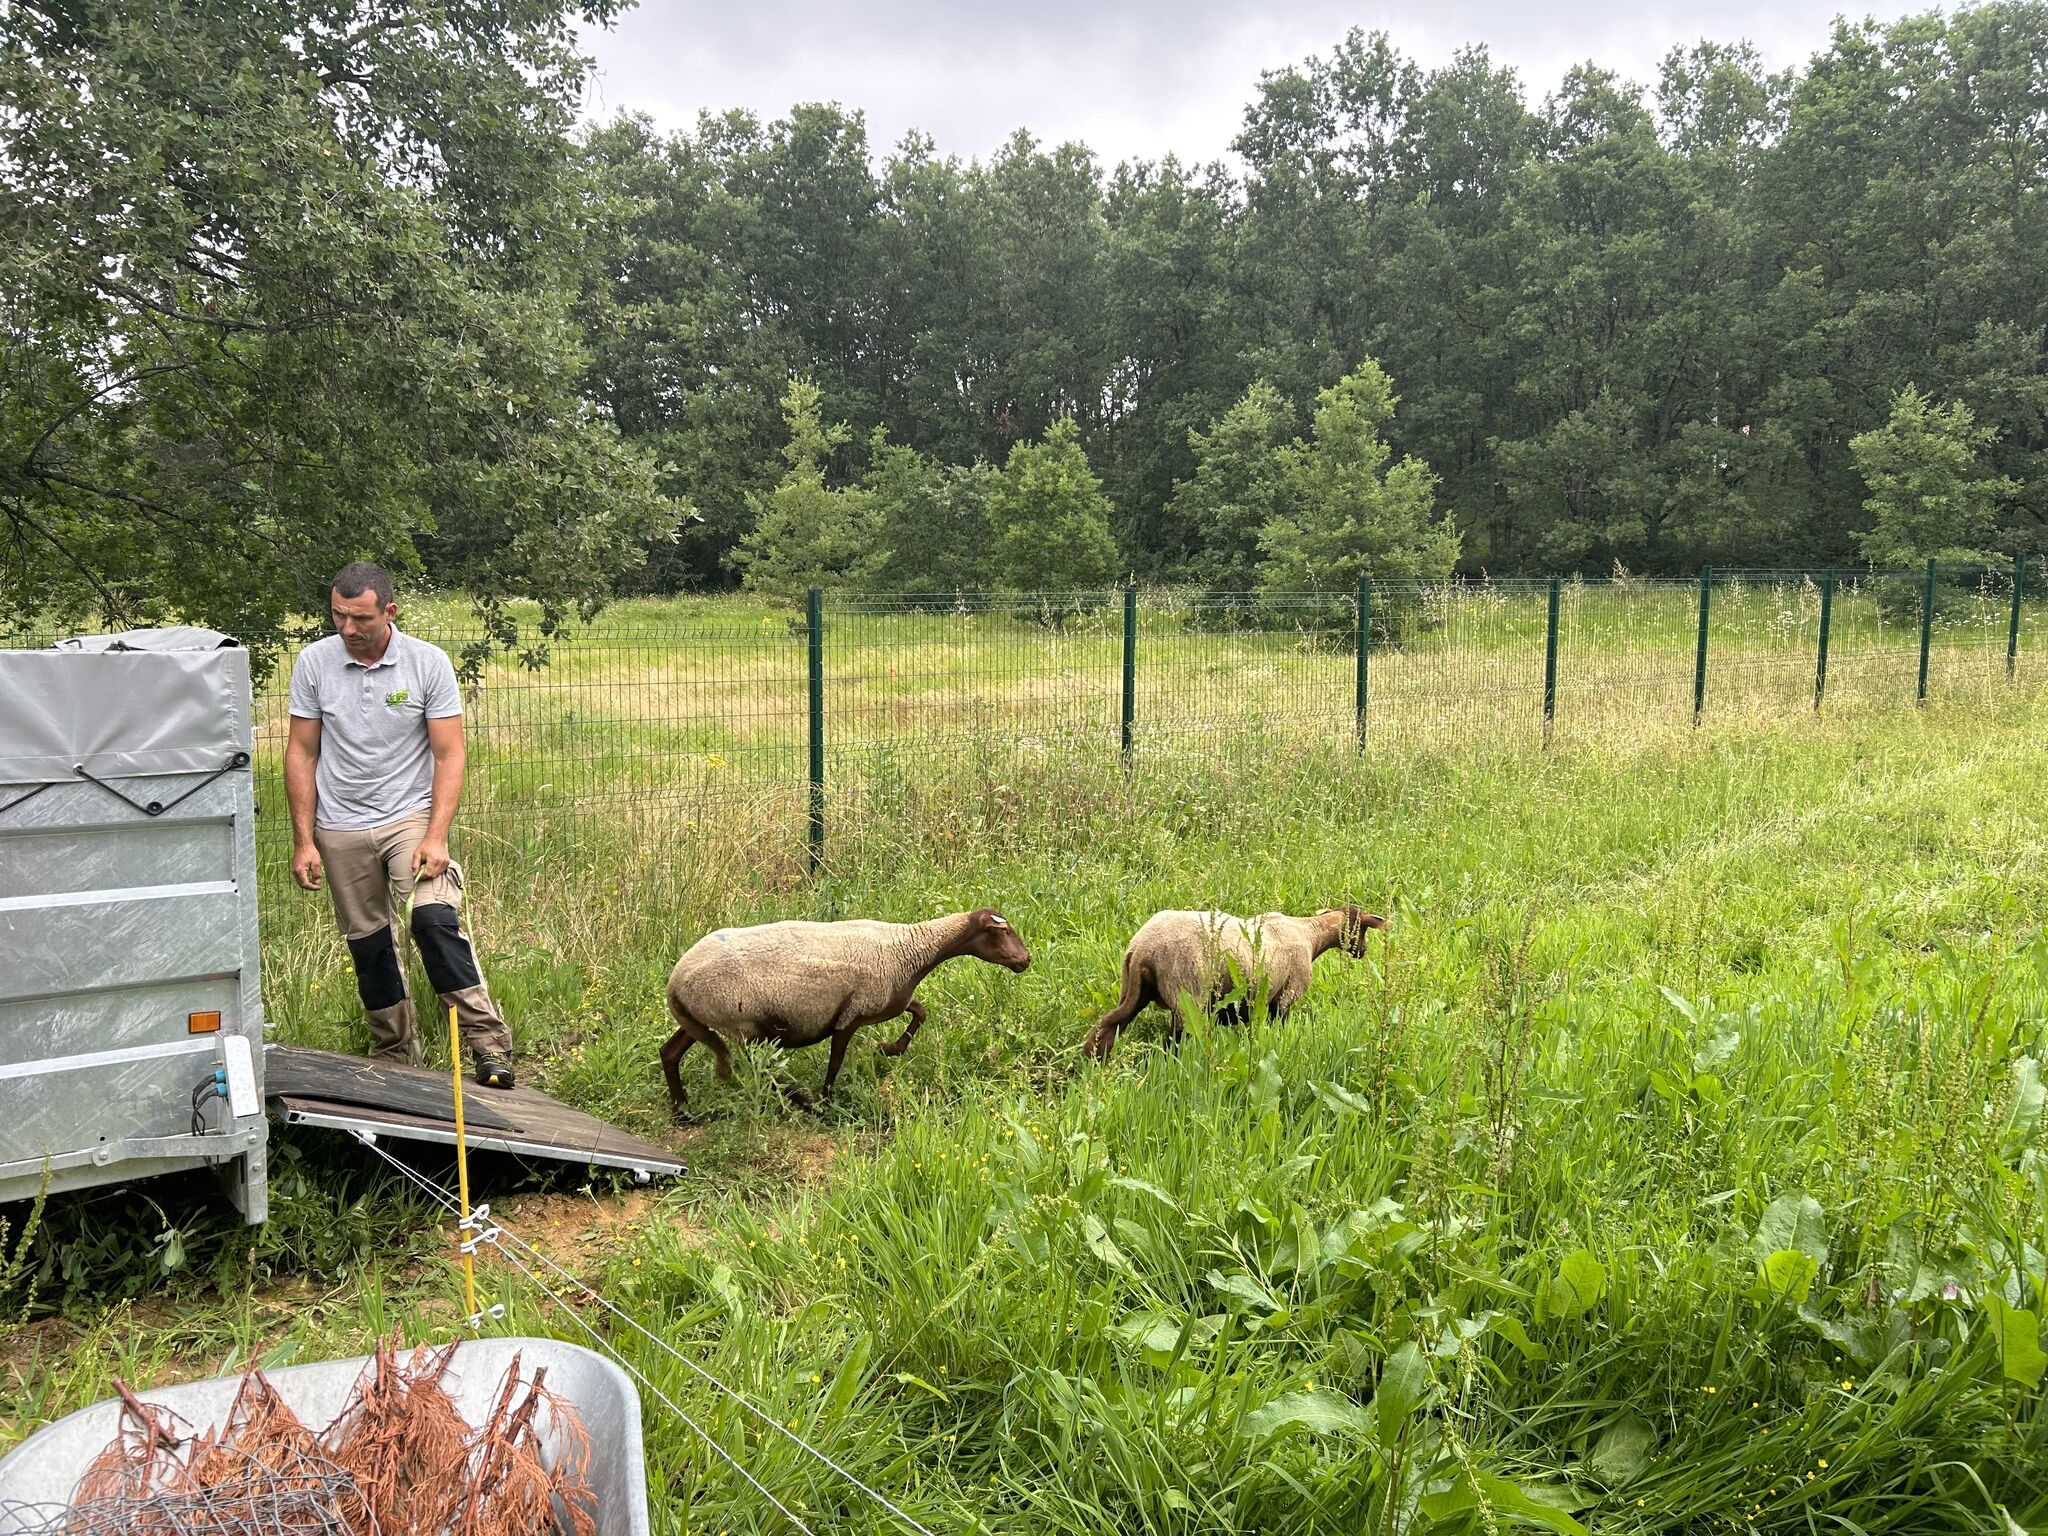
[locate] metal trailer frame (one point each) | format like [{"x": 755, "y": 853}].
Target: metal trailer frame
[{"x": 128, "y": 939}]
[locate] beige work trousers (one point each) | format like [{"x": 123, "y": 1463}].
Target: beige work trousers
[{"x": 369, "y": 879}]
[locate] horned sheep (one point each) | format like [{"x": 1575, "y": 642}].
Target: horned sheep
[
  {"x": 797, "y": 982},
  {"x": 1199, "y": 960}
]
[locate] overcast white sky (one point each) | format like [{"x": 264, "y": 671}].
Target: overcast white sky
[{"x": 1130, "y": 78}]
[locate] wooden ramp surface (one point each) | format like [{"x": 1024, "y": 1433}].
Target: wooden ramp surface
[{"x": 326, "y": 1088}]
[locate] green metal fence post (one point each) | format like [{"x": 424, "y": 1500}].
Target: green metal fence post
[
  {"x": 1820, "y": 660},
  {"x": 1130, "y": 665},
  {"x": 2012, "y": 628},
  {"x": 1550, "y": 662},
  {"x": 1364, "y": 639},
  {"x": 1926, "y": 630},
  {"x": 815, "y": 615},
  {"x": 1699, "y": 661}
]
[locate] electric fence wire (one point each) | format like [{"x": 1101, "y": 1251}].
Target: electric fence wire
[
  {"x": 441, "y": 1197},
  {"x": 499, "y": 1234}
]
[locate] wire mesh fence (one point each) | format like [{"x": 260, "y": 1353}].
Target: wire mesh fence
[
  {"x": 752, "y": 729},
  {"x": 646, "y": 725}
]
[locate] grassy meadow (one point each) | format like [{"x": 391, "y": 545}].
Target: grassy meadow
[
  {"x": 1675, "y": 1162},
  {"x": 698, "y": 708}
]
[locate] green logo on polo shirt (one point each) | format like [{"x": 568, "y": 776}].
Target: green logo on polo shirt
[{"x": 397, "y": 697}]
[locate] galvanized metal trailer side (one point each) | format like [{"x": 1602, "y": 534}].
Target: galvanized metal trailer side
[{"x": 128, "y": 939}]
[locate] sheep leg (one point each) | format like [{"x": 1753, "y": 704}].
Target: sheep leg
[
  {"x": 915, "y": 1010},
  {"x": 672, "y": 1050},
  {"x": 1138, "y": 990},
  {"x": 800, "y": 1097},
  {"x": 688, "y": 1033},
  {"x": 840, "y": 1040}
]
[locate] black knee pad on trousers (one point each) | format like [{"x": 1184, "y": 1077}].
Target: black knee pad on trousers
[
  {"x": 380, "y": 983},
  {"x": 450, "y": 962}
]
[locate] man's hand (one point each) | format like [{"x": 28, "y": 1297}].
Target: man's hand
[
  {"x": 430, "y": 858},
  {"x": 306, "y": 866}
]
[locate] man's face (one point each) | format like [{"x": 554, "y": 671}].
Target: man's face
[{"x": 363, "y": 623}]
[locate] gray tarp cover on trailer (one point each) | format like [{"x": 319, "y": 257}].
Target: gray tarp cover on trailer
[{"x": 161, "y": 703}]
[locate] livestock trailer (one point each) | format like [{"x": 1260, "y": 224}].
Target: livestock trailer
[{"x": 131, "y": 1017}]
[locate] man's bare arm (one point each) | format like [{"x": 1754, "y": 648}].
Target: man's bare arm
[
  {"x": 301, "y": 754},
  {"x": 451, "y": 758}
]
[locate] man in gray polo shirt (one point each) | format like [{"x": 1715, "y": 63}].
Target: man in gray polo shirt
[{"x": 372, "y": 773}]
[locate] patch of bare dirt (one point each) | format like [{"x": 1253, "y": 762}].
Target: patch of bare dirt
[
  {"x": 578, "y": 1231},
  {"x": 800, "y": 1156}
]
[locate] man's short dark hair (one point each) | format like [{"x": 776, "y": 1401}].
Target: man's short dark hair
[{"x": 360, "y": 576}]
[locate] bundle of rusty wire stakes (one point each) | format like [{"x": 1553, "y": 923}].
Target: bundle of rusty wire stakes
[{"x": 399, "y": 1460}]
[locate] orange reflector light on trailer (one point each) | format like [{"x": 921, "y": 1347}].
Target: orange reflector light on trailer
[{"x": 203, "y": 1023}]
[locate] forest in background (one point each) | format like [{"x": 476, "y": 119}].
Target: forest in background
[{"x": 270, "y": 304}]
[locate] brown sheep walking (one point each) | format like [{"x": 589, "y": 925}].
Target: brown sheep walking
[
  {"x": 796, "y": 983},
  {"x": 1200, "y": 959}
]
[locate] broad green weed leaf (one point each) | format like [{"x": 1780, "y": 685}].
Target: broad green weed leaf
[
  {"x": 1308, "y": 1244},
  {"x": 1792, "y": 1221},
  {"x": 1030, "y": 1155},
  {"x": 1321, "y": 1412},
  {"x": 1786, "y": 1275},
  {"x": 1717, "y": 1051},
  {"x": 1157, "y": 1335},
  {"x": 1244, "y": 1288},
  {"x": 1139, "y": 1186},
  {"x": 1509, "y": 1327},
  {"x": 1101, "y": 1244},
  {"x": 1538, "y": 1506},
  {"x": 1341, "y": 1099},
  {"x": 1257, "y": 1211},
  {"x": 1686, "y": 1010},
  {"x": 1153, "y": 1333},
  {"x": 1580, "y": 1282},
  {"x": 1404, "y": 1387},
  {"x": 721, "y": 1282},
  {"x": 1857, "y": 1341},
  {"x": 1135, "y": 1237},
  {"x": 2029, "y": 1097},
  {"x": 1447, "y": 1503},
  {"x": 2019, "y": 1341},
  {"x": 1622, "y": 1452},
  {"x": 849, "y": 1377}
]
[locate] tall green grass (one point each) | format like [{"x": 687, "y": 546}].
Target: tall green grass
[{"x": 1676, "y": 1163}]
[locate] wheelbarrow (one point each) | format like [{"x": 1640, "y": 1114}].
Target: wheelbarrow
[{"x": 45, "y": 1468}]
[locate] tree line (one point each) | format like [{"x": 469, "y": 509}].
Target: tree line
[{"x": 290, "y": 282}]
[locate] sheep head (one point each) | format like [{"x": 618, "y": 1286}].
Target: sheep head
[
  {"x": 990, "y": 937},
  {"x": 1357, "y": 924}
]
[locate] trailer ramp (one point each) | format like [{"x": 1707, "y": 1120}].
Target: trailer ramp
[{"x": 356, "y": 1093}]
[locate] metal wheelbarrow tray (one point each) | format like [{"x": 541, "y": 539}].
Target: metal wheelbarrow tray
[{"x": 44, "y": 1469}]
